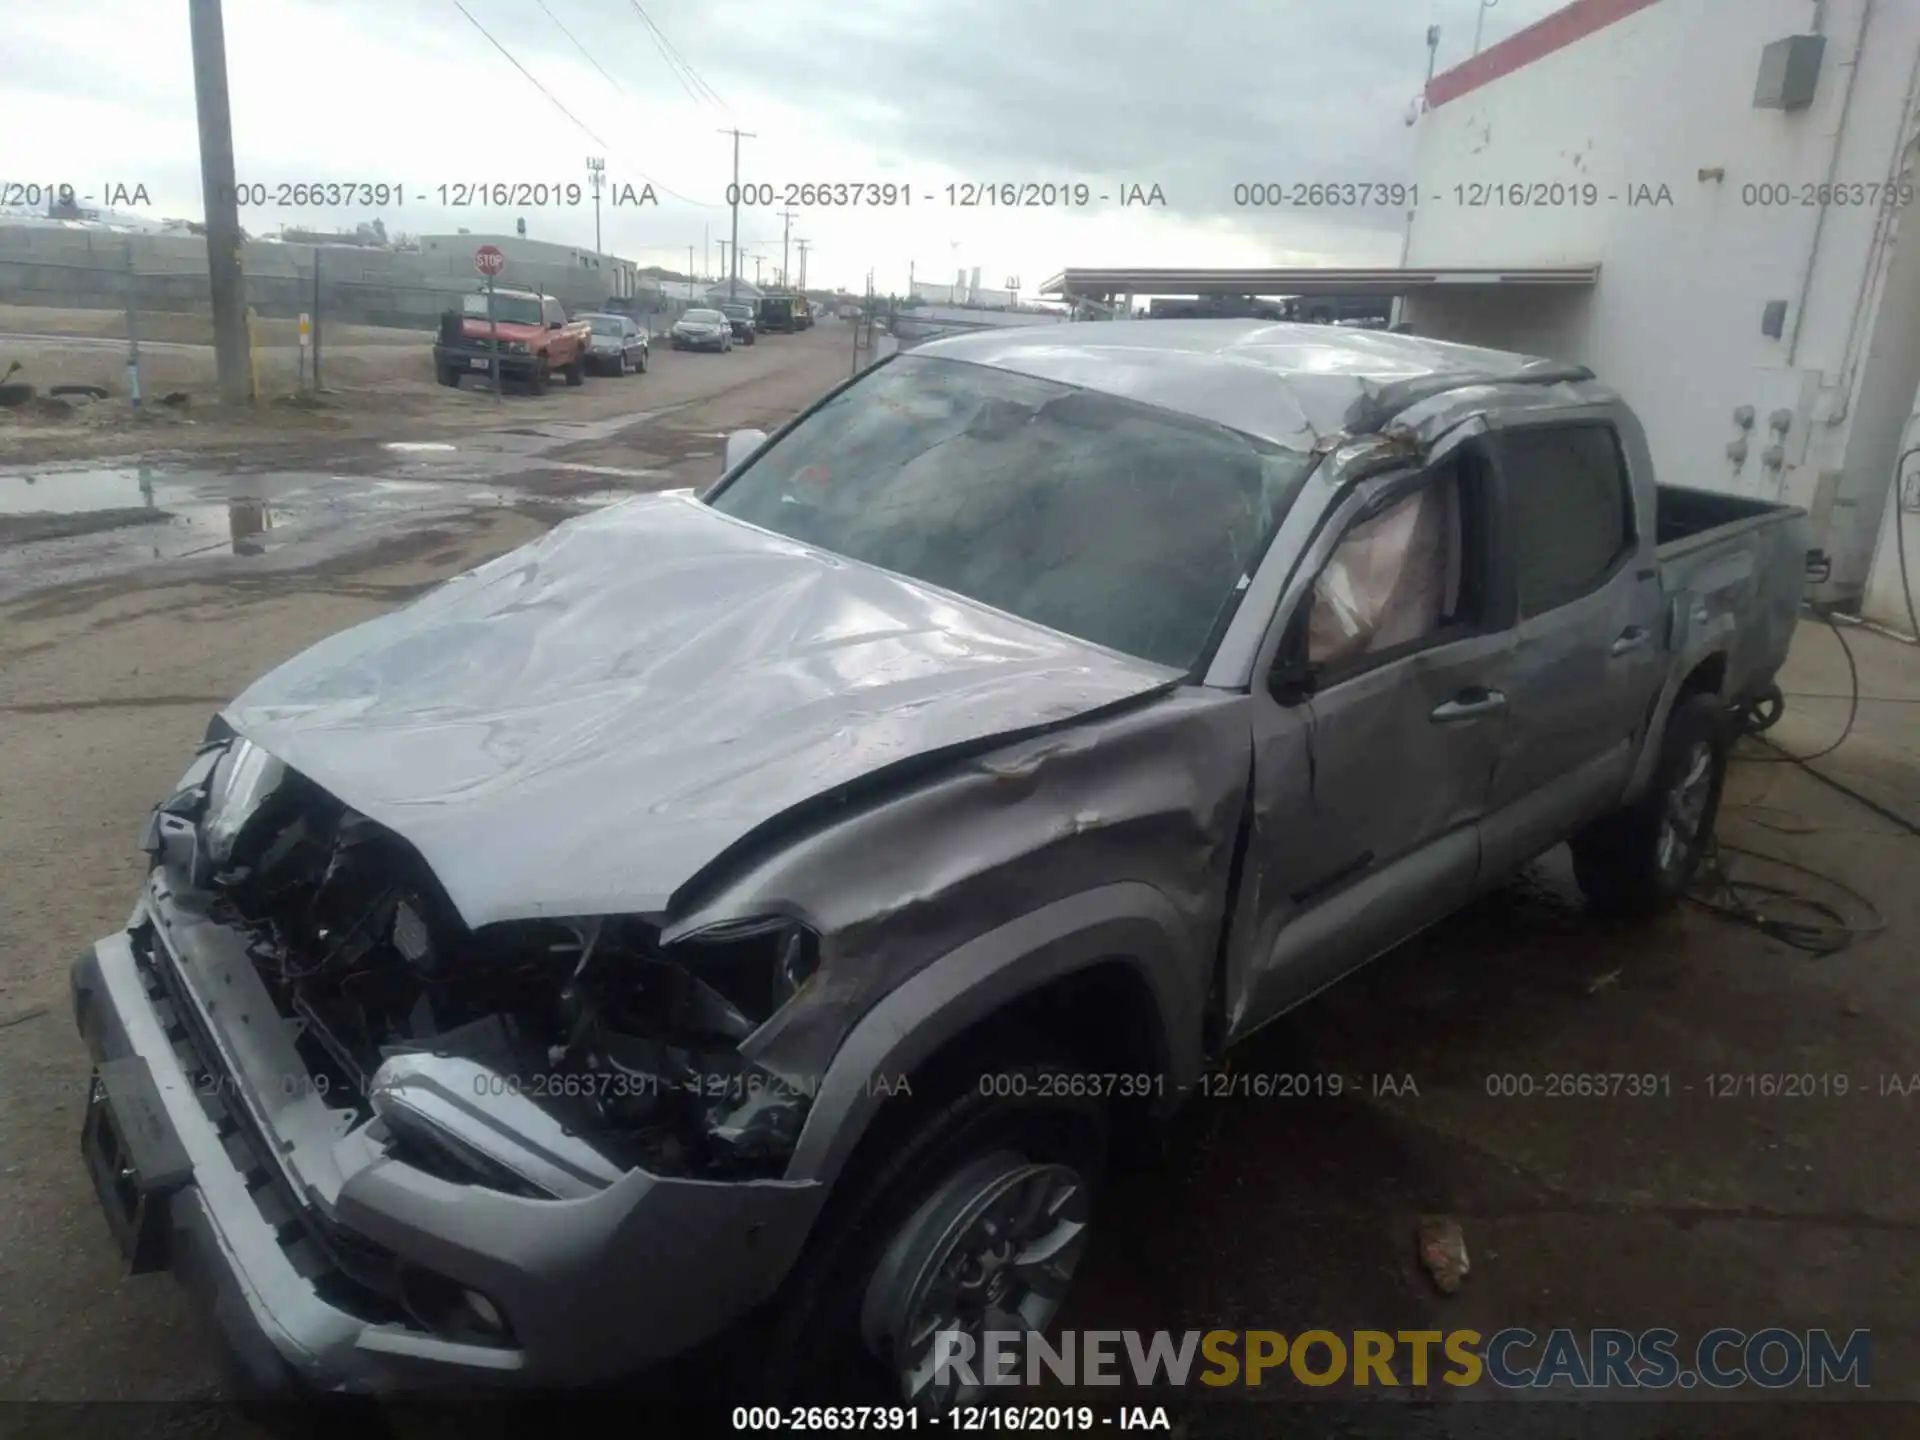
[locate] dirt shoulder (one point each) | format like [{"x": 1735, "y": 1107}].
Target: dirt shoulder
[{"x": 370, "y": 391}]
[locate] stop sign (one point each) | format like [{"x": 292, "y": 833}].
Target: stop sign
[{"x": 489, "y": 260}]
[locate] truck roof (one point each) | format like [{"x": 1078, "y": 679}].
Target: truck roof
[{"x": 1293, "y": 384}]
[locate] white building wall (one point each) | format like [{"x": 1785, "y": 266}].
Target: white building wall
[{"x": 1664, "y": 97}]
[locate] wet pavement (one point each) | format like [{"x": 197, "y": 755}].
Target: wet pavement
[{"x": 61, "y": 524}]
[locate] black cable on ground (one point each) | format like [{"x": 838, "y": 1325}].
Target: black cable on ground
[
  {"x": 1748, "y": 902},
  {"x": 1753, "y": 723}
]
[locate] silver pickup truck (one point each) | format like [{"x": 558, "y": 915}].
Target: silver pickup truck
[{"x": 760, "y": 913}]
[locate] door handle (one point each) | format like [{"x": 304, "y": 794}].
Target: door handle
[
  {"x": 1631, "y": 638},
  {"x": 1468, "y": 705}
]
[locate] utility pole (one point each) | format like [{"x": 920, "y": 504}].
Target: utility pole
[
  {"x": 692, "y": 275},
  {"x": 596, "y": 177},
  {"x": 226, "y": 281},
  {"x": 1480, "y": 20},
  {"x": 133, "y": 330},
  {"x": 802, "y": 245},
  {"x": 726, "y": 249},
  {"x": 786, "y": 248},
  {"x": 733, "y": 248},
  {"x": 756, "y": 272},
  {"x": 706, "y": 249}
]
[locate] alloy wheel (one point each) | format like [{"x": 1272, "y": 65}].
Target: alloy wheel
[
  {"x": 1685, "y": 808},
  {"x": 994, "y": 1249}
]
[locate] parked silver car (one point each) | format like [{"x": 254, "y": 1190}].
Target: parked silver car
[
  {"x": 618, "y": 347},
  {"x": 773, "y": 903},
  {"x": 702, "y": 330}
]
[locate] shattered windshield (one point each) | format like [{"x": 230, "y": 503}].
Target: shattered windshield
[{"x": 1116, "y": 522}]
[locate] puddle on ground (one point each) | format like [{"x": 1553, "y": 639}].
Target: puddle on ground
[
  {"x": 412, "y": 445},
  {"x": 59, "y": 525}
]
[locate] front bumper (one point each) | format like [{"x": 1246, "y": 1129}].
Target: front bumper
[
  {"x": 594, "y": 1289},
  {"x": 512, "y": 367},
  {"x": 700, "y": 342}
]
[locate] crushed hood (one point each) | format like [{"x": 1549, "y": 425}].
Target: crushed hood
[{"x": 581, "y": 726}]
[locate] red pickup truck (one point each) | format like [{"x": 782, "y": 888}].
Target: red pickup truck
[{"x": 536, "y": 339}]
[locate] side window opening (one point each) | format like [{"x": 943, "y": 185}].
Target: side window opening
[
  {"x": 1398, "y": 577},
  {"x": 1572, "y": 510}
]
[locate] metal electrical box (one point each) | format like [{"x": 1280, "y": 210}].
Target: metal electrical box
[{"x": 1789, "y": 72}]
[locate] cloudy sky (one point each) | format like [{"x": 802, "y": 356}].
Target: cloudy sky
[{"x": 921, "y": 93}]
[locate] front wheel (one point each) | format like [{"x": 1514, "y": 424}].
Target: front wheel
[
  {"x": 1641, "y": 859},
  {"x": 642, "y": 366},
  {"x": 576, "y": 371},
  {"x": 973, "y": 1221}
]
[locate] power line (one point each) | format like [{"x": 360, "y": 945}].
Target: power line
[
  {"x": 687, "y": 199},
  {"x": 678, "y": 63},
  {"x": 529, "y": 74},
  {"x": 671, "y": 50},
  {"x": 577, "y": 45}
]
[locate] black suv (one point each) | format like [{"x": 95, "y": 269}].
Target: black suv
[{"x": 741, "y": 317}]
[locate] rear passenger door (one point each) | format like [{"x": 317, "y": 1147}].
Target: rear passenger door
[{"x": 1586, "y": 662}]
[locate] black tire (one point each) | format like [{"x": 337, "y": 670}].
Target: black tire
[
  {"x": 814, "y": 1346},
  {"x": 541, "y": 377},
  {"x": 642, "y": 366},
  {"x": 1625, "y": 862},
  {"x": 449, "y": 376},
  {"x": 576, "y": 371}
]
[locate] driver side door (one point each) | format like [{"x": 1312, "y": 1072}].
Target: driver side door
[{"x": 1376, "y": 735}]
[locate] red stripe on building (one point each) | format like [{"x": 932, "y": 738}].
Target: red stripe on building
[{"x": 1538, "y": 40}]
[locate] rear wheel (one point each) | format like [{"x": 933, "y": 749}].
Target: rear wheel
[
  {"x": 1641, "y": 859},
  {"x": 974, "y": 1221}
]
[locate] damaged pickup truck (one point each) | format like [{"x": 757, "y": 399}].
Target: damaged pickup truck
[{"x": 768, "y": 908}]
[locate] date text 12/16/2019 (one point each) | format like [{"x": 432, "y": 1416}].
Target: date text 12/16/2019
[
  {"x": 453, "y": 194},
  {"x": 965, "y": 195}
]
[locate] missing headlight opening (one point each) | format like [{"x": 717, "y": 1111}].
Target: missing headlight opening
[{"x": 589, "y": 1028}]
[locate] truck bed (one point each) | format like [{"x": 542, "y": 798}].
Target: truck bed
[
  {"x": 1734, "y": 570},
  {"x": 1685, "y": 518}
]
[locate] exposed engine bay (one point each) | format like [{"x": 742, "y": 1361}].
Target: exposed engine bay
[{"x": 629, "y": 1046}]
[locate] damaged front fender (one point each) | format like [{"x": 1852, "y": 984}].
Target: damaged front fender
[{"x": 1112, "y": 839}]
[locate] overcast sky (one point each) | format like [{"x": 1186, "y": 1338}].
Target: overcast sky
[{"x": 1192, "y": 98}]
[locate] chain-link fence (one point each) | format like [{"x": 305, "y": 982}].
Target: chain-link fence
[{"x": 325, "y": 314}]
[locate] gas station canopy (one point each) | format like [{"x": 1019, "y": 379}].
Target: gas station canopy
[{"x": 1319, "y": 280}]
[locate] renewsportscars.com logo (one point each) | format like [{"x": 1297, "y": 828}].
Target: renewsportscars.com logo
[{"x": 1512, "y": 1359}]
